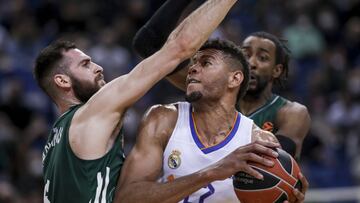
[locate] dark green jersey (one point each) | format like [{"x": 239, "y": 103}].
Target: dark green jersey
[
  {"x": 265, "y": 116},
  {"x": 70, "y": 179}
]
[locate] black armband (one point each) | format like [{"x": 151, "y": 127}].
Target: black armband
[
  {"x": 152, "y": 36},
  {"x": 146, "y": 42},
  {"x": 287, "y": 144}
]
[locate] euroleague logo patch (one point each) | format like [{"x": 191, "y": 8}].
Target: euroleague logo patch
[
  {"x": 174, "y": 159},
  {"x": 268, "y": 126}
]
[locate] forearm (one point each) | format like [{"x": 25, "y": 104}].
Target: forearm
[
  {"x": 197, "y": 27},
  {"x": 169, "y": 192}
]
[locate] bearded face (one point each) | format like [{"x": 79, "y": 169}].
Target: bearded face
[
  {"x": 84, "y": 89},
  {"x": 257, "y": 84}
]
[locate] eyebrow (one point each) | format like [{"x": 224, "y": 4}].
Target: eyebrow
[
  {"x": 84, "y": 60},
  {"x": 264, "y": 50},
  {"x": 261, "y": 49},
  {"x": 208, "y": 56}
]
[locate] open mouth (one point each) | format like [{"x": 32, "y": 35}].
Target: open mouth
[
  {"x": 191, "y": 81},
  {"x": 253, "y": 77}
]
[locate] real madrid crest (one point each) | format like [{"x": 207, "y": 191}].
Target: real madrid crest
[{"x": 174, "y": 159}]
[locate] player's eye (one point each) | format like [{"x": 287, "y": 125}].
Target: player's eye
[
  {"x": 86, "y": 64},
  {"x": 206, "y": 63},
  {"x": 263, "y": 58},
  {"x": 246, "y": 54}
]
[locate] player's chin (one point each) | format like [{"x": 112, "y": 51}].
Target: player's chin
[
  {"x": 252, "y": 88},
  {"x": 252, "y": 84},
  {"x": 193, "y": 96},
  {"x": 192, "y": 87},
  {"x": 101, "y": 83}
]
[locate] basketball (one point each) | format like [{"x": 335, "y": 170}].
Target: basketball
[{"x": 277, "y": 185}]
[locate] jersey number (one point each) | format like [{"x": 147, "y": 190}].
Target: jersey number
[
  {"x": 102, "y": 186},
  {"x": 100, "y": 189},
  {"x": 211, "y": 190},
  {"x": 46, "y": 190}
]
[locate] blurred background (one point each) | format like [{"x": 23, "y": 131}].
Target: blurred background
[{"x": 323, "y": 35}]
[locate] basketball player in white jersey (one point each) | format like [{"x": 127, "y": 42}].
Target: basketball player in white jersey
[{"x": 187, "y": 152}]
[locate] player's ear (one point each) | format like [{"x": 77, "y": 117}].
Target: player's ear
[
  {"x": 277, "y": 70},
  {"x": 62, "y": 81},
  {"x": 235, "y": 79}
]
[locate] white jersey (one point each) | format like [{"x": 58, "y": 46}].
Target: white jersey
[{"x": 185, "y": 154}]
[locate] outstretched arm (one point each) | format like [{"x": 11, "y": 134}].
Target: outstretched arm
[
  {"x": 152, "y": 36},
  {"x": 144, "y": 165},
  {"x": 94, "y": 123}
]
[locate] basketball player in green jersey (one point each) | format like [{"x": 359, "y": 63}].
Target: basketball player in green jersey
[
  {"x": 268, "y": 58},
  {"x": 83, "y": 156}
]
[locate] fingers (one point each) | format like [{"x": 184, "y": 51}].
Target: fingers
[
  {"x": 300, "y": 197},
  {"x": 253, "y": 172},
  {"x": 261, "y": 147},
  {"x": 257, "y": 159},
  {"x": 304, "y": 182},
  {"x": 268, "y": 144}
]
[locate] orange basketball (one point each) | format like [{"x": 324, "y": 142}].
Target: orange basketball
[{"x": 277, "y": 186}]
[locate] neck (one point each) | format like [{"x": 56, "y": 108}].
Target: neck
[
  {"x": 64, "y": 104},
  {"x": 251, "y": 103},
  {"x": 213, "y": 121}
]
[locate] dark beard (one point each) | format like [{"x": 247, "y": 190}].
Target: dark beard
[
  {"x": 261, "y": 83},
  {"x": 83, "y": 90},
  {"x": 194, "y": 96}
]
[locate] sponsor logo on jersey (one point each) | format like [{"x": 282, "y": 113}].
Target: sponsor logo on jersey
[
  {"x": 268, "y": 126},
  {"x": 174, "y": 159}
]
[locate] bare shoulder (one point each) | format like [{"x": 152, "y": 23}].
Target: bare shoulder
[
  {"x": 293, "y": 109},
  {"x": 262, "y": 135},
  {"x": 163, "y": 112},
  {"x": 159, "y": 122}
]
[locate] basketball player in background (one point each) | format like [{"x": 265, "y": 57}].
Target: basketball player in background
[
  {"x": 195, "y": 147},
  {"x": 83, "y": 156},
  {"x": 268, "y": 58}
]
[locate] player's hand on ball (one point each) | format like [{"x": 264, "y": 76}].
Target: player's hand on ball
[
  {"x": 255, "y": 152},
  {"x": 300, "y": 195}
]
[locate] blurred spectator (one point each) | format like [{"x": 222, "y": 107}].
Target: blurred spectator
[{"x": 304, "y": 39}]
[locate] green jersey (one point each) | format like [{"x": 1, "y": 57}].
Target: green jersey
[
  {"x": 265, "y": 116},
  {"x": 70, "y": 179}
]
